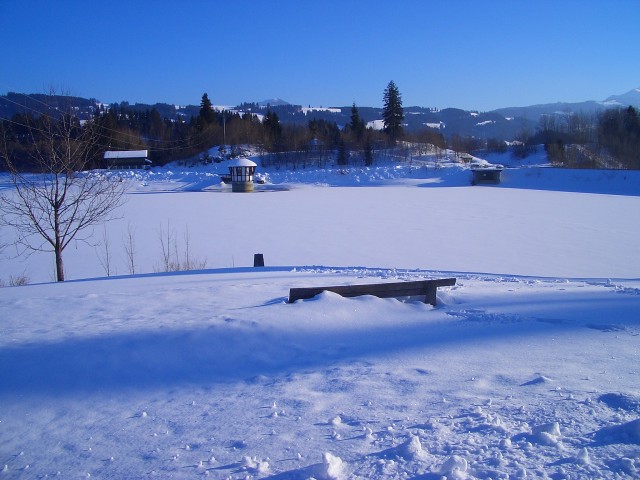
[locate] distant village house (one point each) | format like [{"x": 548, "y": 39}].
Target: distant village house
[{"x": 127, "y": 159}]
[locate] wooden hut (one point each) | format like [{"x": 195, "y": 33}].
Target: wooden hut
[
  {"x": 242, "y": 171},
  {"x": 127, "y": 159}
]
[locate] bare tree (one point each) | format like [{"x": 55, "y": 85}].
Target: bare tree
[
  {"x": 104, "y": 252},
  {"x": 190, "y": 262},
  {"x": 172, "y": 259},
  {"x": 167, "y": 242},
  {"x": 130, "y": 248},
  {"x": 59, "y": 203}
]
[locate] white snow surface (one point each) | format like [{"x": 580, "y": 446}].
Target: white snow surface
[{"x": 526, "y": 368}]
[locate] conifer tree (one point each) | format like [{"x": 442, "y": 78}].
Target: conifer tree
[
  {"x": 342, "y": 153},
  {"x": 357, "y": 123},
  {"x": 392, "y": 112},
  {"x": 368, "y": 152},
  {"x": 272, "y": 129},
  {"x": 207, "y": 115}
]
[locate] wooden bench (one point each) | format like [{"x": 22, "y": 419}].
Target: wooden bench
[{"x": 426, "y": 288}]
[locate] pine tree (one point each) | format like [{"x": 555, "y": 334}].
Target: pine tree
[
  {"x": 392, "y": 112},
  {"x": 357, "y": 123},
  {"x": 368, "y": 153},
  {"x": 207, "y": 115},
  {"x": 272, "y": 129},
  {"x": 342, "y": 154}
]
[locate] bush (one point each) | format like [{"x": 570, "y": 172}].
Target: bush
[{"x": 19, "y": 281}]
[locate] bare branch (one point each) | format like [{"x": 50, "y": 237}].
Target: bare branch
[
  {"x": 104, "y": 253},
  {"x": 130, "y": 248},
  {"x": 51, "y": 208}
]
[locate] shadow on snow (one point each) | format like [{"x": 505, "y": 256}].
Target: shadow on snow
[{"x": 246, "y": 352}]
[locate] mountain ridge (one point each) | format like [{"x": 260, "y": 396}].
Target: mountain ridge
[
  {"x": 534, "y": 112},
  {"x": 503, "y": 123}
]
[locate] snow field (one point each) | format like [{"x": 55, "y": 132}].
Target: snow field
[
  {"x": 464, "y": 229},
  {"x": 506, "y": 377},
  {"x": 527, "y": 368}
]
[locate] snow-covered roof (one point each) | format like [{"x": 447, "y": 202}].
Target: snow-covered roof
[
  {"x": 486, "y": 166},
  {"x": 242, "y": 162},
  {"x": 126, "y": 154}
]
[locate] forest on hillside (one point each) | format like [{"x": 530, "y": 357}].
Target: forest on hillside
[{"x": 609, "y": 139}]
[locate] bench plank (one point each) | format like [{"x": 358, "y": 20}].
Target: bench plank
[{"x": 426, "y": 288}]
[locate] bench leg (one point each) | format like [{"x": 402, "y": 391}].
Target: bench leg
[{"x": 430, "y": 296}]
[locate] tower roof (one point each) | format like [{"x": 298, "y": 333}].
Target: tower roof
[{"x": 242, "y": 162}]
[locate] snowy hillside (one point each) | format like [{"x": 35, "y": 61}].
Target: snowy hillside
[
  {"x": 527, "y": 368},
  {"x": 632, "y": 98}
]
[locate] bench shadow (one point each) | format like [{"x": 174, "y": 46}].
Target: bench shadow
[{"x": 241, "y": 352}]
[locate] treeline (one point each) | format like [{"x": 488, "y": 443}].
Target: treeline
[
  {"x": 25, "y": 137},
  {"x": 619, "y": 134},
  {"x": 123, "y": 127},
  {"x": 610, "y": 139}
]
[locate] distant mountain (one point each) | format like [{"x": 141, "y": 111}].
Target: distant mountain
[
  {"x": 632, "y": 98},
  {"x": 451, "y": 121},
  {"x": 36, "y": 103},
  {"x": 533, "y": 113},
  {"x": 273, "y": 102},
  {"x": 503, "y": 123}
]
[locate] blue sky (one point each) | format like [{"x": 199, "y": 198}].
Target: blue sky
[{"x": 467, "y": 54}]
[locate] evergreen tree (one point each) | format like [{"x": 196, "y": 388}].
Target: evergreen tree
[
  {"x": 328, "y": 133},
  {"x": 207, "y": 115},
  {"x": 155, "y": 124},
  {"x": 342, "y": 154},
  {"x": 368, "y": 153},
  {"x": 272, "y": 129},
  {"x": 357, "y": 123},
  {"x": 619, "y": 134},
  {"x": 392, "y": 112}
]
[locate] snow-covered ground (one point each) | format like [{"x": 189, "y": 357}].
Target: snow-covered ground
[{"x": 527, "y": 368}]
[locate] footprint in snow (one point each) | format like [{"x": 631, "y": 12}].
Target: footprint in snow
[{"x": 621, "y": 401}]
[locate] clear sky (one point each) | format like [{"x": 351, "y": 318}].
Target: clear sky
[{"x": 468, "y": 54}]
